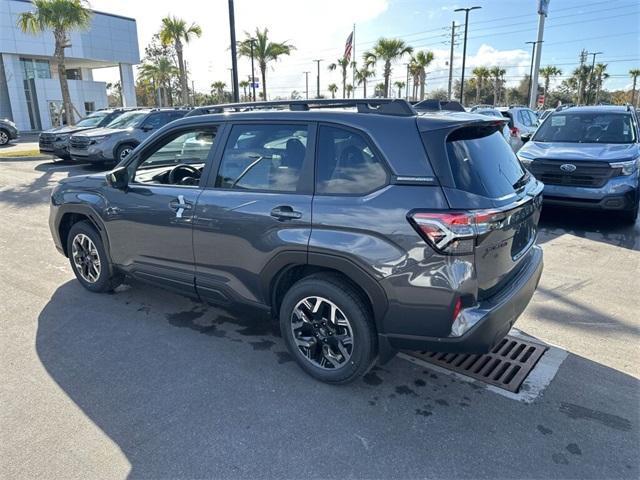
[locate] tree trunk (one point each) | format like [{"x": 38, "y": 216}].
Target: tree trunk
[
  {"x": 633, "y": 91},
  {"x": 423, "y": 80},
  {"x": 387, "y": 76},
  {"x": 344, "y": 82},
  {"x": 61, "y": 44},
  {"x": 546, "y": 90},
  {"x": 263, "y": 72},
  {"x": 364, "y": 87},
  {"x": 183, "y": 74}
]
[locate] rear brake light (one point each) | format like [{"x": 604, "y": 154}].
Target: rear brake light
[
  {"x": 514, "y": 132},
  {"x": 454, "y": 233}
]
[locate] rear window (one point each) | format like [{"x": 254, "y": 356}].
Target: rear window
[{"x": 482, "y": 162}]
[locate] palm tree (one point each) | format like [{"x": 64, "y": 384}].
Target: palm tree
[
  {"x": 175, "y": 31},
  {"x": 343, "y": 63},
  {"x": 581, "y": 78},
  {"x": 217, "y": 89},
  {"x": 419, "y": 64},
  {"x": 333, "y": 88},
  {"x": 546, "y": 73},
  {"x": 264, "y": 51},
  {"x": 497, "y": 73},
  {"x": 244, "y": 84},
  {"x": 159, "y": 74},
  {"x": 399, "y": 85},
  {"x": 387, "y": 50},
  {"x": 634, "y": 73},
  {"x": 600, "y": 76},
  {"x": 481, "y": 74},
  {"x": 62, "y": 17},
  {"x": 379, "y": 90},
  {"x": 349, "y": 90},
  {"x": 362, "y": 75}
]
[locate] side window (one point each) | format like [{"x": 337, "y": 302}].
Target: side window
[
  {"x": 263, "y": 157},
  {"x": 346, "y": 164},
  {"x": 154, "y": 121},
  {"x": 178, "y": 160},
  {"x": 533, "y": 118}
]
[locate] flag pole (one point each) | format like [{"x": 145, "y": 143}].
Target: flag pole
[{"x": 353, "y": 59}]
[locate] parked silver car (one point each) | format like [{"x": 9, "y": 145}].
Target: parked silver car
[{"x": 522, "y": 120}]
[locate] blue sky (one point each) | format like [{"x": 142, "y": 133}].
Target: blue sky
[{"x": 318, "y": 28}]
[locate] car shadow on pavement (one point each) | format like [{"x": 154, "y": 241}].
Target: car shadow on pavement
[
  {"x": 604, "y": 227},
  {"x": 187, "y": 390}
]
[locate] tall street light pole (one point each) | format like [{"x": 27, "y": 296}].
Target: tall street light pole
[
  {"x": 453, "y": 42},
  {"x": 407, "y": 84},
  {"x": 306, "y": 82},
  {"x": 318, "y": 78},
  {"x": 234, "y": 57},
  {"x": 593, "y": 66},
  {"x": 464, "y": 48},
  {"x": 533, "y": 50},
  {"x": 543, "y": 9}
]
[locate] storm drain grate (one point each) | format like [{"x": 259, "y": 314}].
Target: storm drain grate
[{"x": 506, "y": 366}]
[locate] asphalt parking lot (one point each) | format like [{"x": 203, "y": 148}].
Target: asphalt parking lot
[{"x": 147, "y": 384}]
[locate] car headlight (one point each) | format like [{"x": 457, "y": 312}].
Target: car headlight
[
  {"x": 525, "y": 160},
  {"x": 626, "y": 168},
  {"x": 99, "y": 139}
]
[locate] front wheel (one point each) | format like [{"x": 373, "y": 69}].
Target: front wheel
[
  {"x": 326, "y": 327},
  {"x": 4, "y": 137},
  {"x": 123, "y": 152},
  {"x": 89, "y": 259}
]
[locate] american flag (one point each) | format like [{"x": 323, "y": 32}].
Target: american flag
[{"x": 348, "y": 47}]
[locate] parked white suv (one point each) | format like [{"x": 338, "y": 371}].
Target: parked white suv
[{"x": 521, "y": 120}]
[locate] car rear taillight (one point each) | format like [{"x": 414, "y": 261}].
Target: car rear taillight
[
  {"x": 514, "y": 131},
  {"x": 454, "y": 233}
]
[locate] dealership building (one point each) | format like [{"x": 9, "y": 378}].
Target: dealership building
[{"x": 29, "y": 85}]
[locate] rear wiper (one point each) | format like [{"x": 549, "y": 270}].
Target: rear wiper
[{"x": 522, "y": 181}]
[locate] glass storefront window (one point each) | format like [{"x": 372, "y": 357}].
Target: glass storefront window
[{"x": 35, "y": 68}]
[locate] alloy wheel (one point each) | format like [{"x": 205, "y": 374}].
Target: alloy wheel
[
  {"x": 86, "y": 258},
  {"x": 4, "y": 138},
  {"x": 125, "y": 152},
  {"x": 322, "y": 332}
]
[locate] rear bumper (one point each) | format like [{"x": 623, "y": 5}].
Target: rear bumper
[{"x": 498, "y": 314}]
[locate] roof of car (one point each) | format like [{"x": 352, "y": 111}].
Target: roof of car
[{"x": 596, "y": 109}]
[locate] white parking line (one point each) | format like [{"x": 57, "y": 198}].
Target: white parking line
[{"x": 533, "y": 386}]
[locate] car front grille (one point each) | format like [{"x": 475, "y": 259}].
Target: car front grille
[
  {"x": 586, "y": 174},
  {"x": 79, "y": 142},
  {"x": 46, "y": 139}
]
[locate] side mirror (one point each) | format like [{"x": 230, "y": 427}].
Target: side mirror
[
  {"x": 147, "y": 128},
  {"x": 525, "y": 137},
  {"x": 117, "y": 178}
]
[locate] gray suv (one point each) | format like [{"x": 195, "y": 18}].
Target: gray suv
[
  {"x": 588, "y": 157},
  {"x": 116, "y": 140},
  {"x": 363, "y": 226}
]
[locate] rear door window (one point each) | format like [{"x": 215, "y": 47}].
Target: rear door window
[{"x": 482, "y": 163}]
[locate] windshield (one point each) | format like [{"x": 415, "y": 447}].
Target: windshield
[
  {"x": 583, "y": 127},
  {"x": 92, "y": 120},
  {"x": 127, "y": 120}
]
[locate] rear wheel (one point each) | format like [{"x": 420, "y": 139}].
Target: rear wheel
[
  {"x": 325, "y": 324},
  {"x": 89, "y": 259},
  {"x": 4, "y": 137}
]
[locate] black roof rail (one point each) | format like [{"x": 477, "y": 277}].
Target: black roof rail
[
  {"x": 564, "y": 107},
  {"x": 382, "y": 106}
]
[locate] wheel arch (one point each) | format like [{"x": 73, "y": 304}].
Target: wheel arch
[
  {"x": 127, "y": 141},
  {"x": 72, "y": 214}
]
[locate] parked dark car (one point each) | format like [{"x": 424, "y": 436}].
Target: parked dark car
[
  {"x": 115, "y": 141},
  {"x": 588, "y": 157},
  {"x": 56, "y": 140},
  {"x": 8, "y": 131},
  {"x": 365, "y": 228}
]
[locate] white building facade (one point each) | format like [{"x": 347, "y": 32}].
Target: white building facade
[{"x": 29, "y": 85}]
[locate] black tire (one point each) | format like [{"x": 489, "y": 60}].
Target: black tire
[
  {"x": 630, "y": 217},
  {"x": 349, "y": 301},
  {"x": 122, "y": 152},
  {"x": 108, "y": 278},
  {"x": 4, "y": 137}
]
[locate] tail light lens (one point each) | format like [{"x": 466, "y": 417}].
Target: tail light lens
[
  {"x": 455, "y": 233},
  {"x": 514, "y": 132}
]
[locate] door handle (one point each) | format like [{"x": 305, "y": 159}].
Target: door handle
[
  {"x": 285, "y": 212},
  {"x": 180, "y": 206}
]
